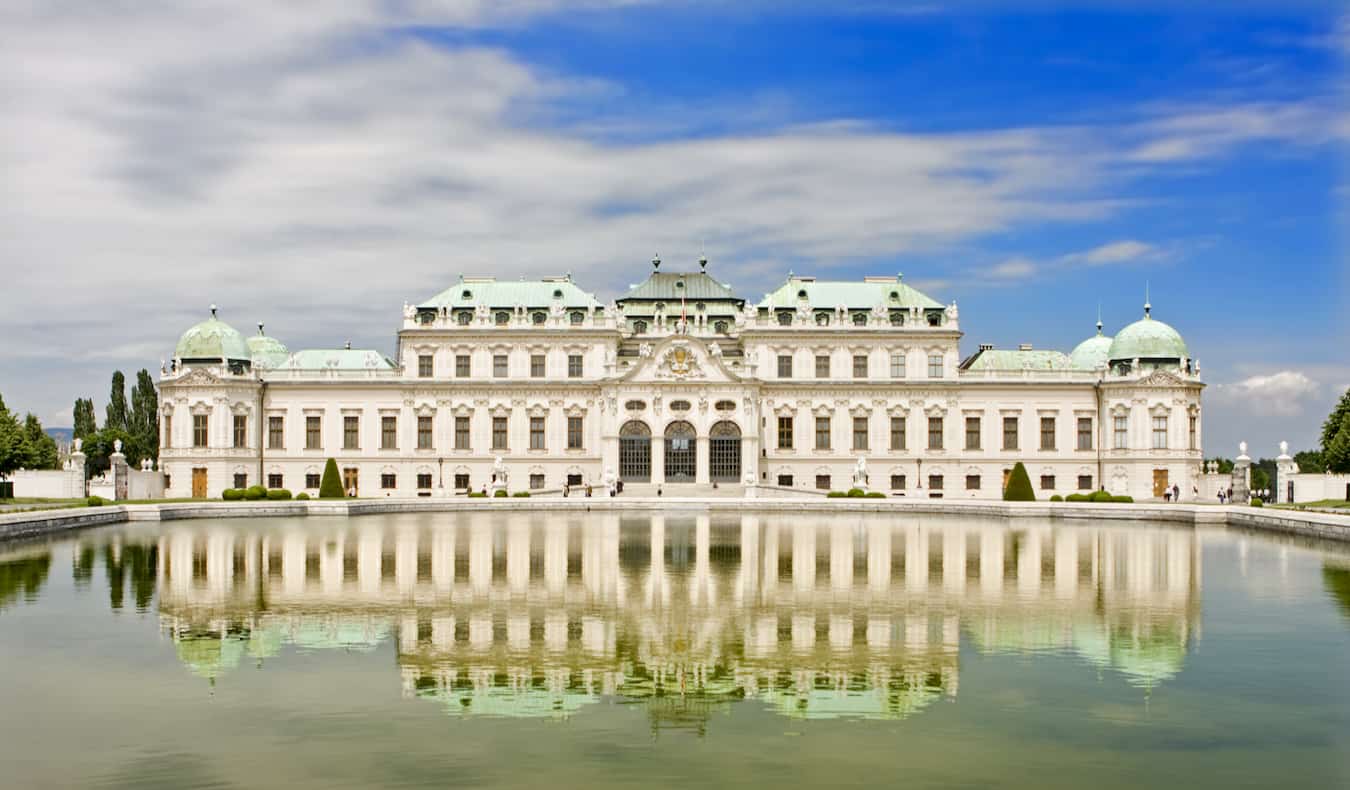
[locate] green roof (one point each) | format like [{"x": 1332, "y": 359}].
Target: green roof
[
  {"x": 1091, "y": 354},
  {"x": 266, "y": 351},
  {"x": 673, "y": 286},
  {"x": 1148, "y": 339},
  {"x": 830, "y": 294},
  {"x": 469, "y": 292},
  {"x": 996, "y": 359},
  {"x": 212, "y": 339},
  {"x": 337, "y": 359}
]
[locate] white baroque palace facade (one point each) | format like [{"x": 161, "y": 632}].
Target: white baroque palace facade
[{"x": 681, "y": 382}]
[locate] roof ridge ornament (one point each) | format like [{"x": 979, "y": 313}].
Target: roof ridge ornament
[
  {"x": 213, "y": 310},
  {"x": 656, "y": 262},
  {"x": 1148, "y": 308},
  {"x": 1099, "y": 319}
]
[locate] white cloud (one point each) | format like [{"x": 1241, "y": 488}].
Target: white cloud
[
  {"x": 1114, "y": 252},
  {"x": 1286, "y": 393},
  {"x": 1012, "y": 269}
]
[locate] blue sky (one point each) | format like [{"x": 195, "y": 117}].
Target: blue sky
[{"x": 314, "y": 166}]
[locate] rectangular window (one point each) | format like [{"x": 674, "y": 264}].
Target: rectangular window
[
  {"x": 424, "y": 432},
  {"x": 536, "y": 433},
  {"x": 1009, "y": 433},
  {"x": 897, "y": 366},
  {"x": 388, "y": 432},
  {"x": 536, "y": 481},
  {"x": 859, "y": 433},
  {"x": 972, "y": 433},
  {"x": 311, "y": 480},
  {"x": 1192, "y": 423},
  {"x": 424, "y": 480},
  {"x": 1047, "y": 482},
  {"x": 536, "y": 366},
  {"x": 1121, "y": 429},
  {"x": 461, "y": 480},
  {"x": 574, "y": 433},
  {"x": 200, "y": 434},
  {"x": 388, "y": 481},
  {"x": 784, "y": 366},
  {"x": 822, "y": 366},
  {"x": 784, "y": 433},
  {"x": 574, "y": 479},
  {"x": 1047, "y": 433},
  {"x": 822, "y": 433},
  {"x": 351, "y": 433},
  {"x": 313, "y": 440},
  {"x": 785, "y": 481},
  {"x": 972, "y": 482},
  {"x": 168, "y": 431},
  {"x": 1085, "y": 482},
  {"x": 461, "y": 433},
  {"x": 897, "y": 433},
  {"x": 240, "y": 430},
  {"x": 897, "y": 482},
  {"x": 934, "y": 366},
  {"x": 823, "y": 482},
  {"x": 859, "y": 366},
  {"x": 425, "y": 366},
  {"x": 462, "y": 366},
  {"x": 240, "y": 480},
  {"x": 574, "y": 366},
  {"x": 276, "y": 433},
  {"x": 1084, "y": 433},
  {"x": 499, "y": 365},
  {"x": 274, "y": 481},
  {"x": 935, "y": 482},
  {"x": 499, "y": 433},
  {"x": 1159, "y": 433},
  {"x": 934, "y": 433}
]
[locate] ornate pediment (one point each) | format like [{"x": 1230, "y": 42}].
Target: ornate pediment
[
  {"x": 679, "y": 362},
  {"x": 1160, "y": 378},
  {"x": 198, "y": 377},
  {"x": 680, "y": 359}
]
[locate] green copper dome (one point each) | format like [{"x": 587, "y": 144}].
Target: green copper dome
[
  {"x": 266, "y": 351},
  {"x": 1147, "y": 339},
  {"x": 1092, "y": 353},
  {"x": 212, "y": 339}
]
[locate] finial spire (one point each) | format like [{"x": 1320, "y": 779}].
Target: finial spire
[
  {"x": 213, "y": 311},
  {"x": 349, "y": 345},
  {"x": 656, "y": 262},
  {"x": 1099, "y": 318},
  {"x": 1148, "y": 308},
  {"x": 260, "y": 328},
  {"x": 703, "y": 263}
]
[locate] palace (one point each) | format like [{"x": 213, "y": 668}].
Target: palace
[{"x": 682, "y": 383}]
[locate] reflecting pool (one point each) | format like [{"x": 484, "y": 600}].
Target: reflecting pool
[{"x": 522, "y": 650}]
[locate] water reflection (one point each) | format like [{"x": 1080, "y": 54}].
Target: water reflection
[{"x": 22, "y": 576}]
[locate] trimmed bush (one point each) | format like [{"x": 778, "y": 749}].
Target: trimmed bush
[
  {"x": 96, "y": 501},
  {"x": 521, "y": 493},
  {"x": 1058, "y": 498},
  {"x": 1078, "y": 498},
  {"x": 278, "y": 493},
  {"x": 302, "y": 495},
  {"x": 855, "y": 492},
  {"x": 836, "y": 495},
  {"x": 1019, "y": 486},
  {"x": 232, "y": 494},
  {"x": 501, "y": 492},
  {"x": 477, "y": 495},
  {"x": 1101, "y": 496},
  {"x": 1257, "y": 502},
  {"x": 255, "y": 492},
  {"x": 1122, "y": 499},
  {"x": 330, "y": 487},
  {"x": 875, "y": 495}
]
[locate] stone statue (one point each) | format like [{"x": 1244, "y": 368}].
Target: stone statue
[
  {"x": 1242, "y": 448},
  {"x": 716, "y": 350},
  {"x": 163, "y": 366},
  {"x": 952, "y": 312},
  {"x": 78, "y": 444},
  {"x": 556, "y": 309},
  {"x": 860, "y": 474},
  {"x": 409, "y": 312},
  {"x": 645, "y": 350},
  {"x": 117, "y": 445},
  {"x": 481, "y": 311},
  {"x": 1284, "y": 448}
]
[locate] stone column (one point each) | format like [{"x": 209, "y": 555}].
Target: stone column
[
  {"x": 1285, "y": 469},
  {"x": 701, "y": 459},
  {"x": 119, "y": 471},
  {"x": 1242, "y": 475},
  {"x": 658, "y": 459},
  {"x": 77, "y": 486}
]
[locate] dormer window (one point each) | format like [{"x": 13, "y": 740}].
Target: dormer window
[
  {"x": 822, "y": 319},
  {"x": 537, "y": 318},
  {"x": 785, "y": 318},
  {"x": 801, "y": 294},
  {"x": 577, "y": 317},
  {"x": 860, "y": 319},
  {"x": 679, "y": 283},
  {"x": 897, "y": 318},
  {"x": 699, "y": 306},
  {"x": 639, "y": 327},
  {"x": 895, "y": 296},
  {"x": 466, "y": 295},
  {"x": 502, "y": 318},
  {"x": 720, "y": 327},
  {"x": 463, "y": 317},
  {"x": 934, "y": 319},
  {"x": 426, "y": 316}
]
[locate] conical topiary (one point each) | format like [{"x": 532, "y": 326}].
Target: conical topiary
[
  {"x": 1019, "y": 486},
  {"x": 330, "y": 487}
]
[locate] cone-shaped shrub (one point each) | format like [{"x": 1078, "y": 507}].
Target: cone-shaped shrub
[
  {"x": 330, "y": 487},
  {"x": 1019, "y": 486}
]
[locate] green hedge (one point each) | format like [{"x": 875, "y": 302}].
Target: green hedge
[
  {"x": 1257, "y": 502},
  {"x": 477, "y": 495},
  {"x": 501, "y": 492},
  {"x": 1019, "y": 486},
  {"x": 1100, "y": 496},
  {"x": 1122, "y": 498},
  {"x": 836, "y": 494},
  {"x": 875, "y": 495},
  {"x": 255, "y": 492},
  {"x": 96, "y": 501},
  {"x": 1057, "y": 498},
  {"x": 1096, "y": 496},
  {"x": 302, "y": 495},
  {"x": 330, "y": 487},
  {"x": 521, "y": 493},
  {"x": 278, "y": 493},
  {"x": 232, "y": 494},
  {"x": 856, "y": 492},
  {"x": 1078, "y": 498}
]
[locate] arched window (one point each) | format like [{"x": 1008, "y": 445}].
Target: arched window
[
  {"x": 860, "y": 319},
  {"x": 680, "y": 454},
  {"x": 502, "y": 318},
  {"x": 897, "y": 318},
  {"x": 822, "y": 318},
  {"x": 538, "y": 318},
  {"x": 463, "y": 317},
  {"x": 784, "y": 318},
  {"x": 635, "y": 452},
  {"x": 557, "y": 293},
  {"x": 934, "y": 319},
  {"x": 577, "y": 317},
  {"x": 639, "y": 327},
  {"x": 466, "y": 295},
  {"x": 724, "y": 452},
  {"x": 720, "y": 327}
]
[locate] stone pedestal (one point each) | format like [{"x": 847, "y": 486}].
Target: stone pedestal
[
  {"x": 1242, "y": 476},
  {"x": 1285, "y": 469},
  {"x": 119, "y": 471}
]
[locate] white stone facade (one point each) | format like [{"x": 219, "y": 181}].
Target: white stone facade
[{"x": 709, "y": 388}]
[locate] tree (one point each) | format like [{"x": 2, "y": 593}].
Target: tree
[
  {"x": 41, "y": 448},
  {"x": 99, "y": 447},
  {"x": 330, "y": 487},
  {"x": 1309, "y": 461},
  {"x": 144, "y": 427},
  {"x": 1225, "y": 464},
  {"x": 13, "y": 442},
  {"x": 1336, "y": 455},
  {"x": 85, "y": 423},
  {"x": 1019, "y": 486},
  {"x": 1335, "y": 422},
  {"x": 1260, "y": 477},
  {"x": 116, "y": 415}
]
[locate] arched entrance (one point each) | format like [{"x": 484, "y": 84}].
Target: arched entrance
[
  {"x": 635, "y": 452},
  {"x": 680, "y": 439},
  {"x": 724, "y": 452}
]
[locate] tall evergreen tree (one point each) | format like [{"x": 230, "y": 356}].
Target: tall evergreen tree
[
  {"x": 145, "y": 417},
  {"x": 41, "y": 448},
  {"x": 1334, "y": 428},
  {"x": 85, "y": 423},
  {"x": 117, "y": 416}
]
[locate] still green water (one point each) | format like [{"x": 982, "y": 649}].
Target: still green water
[{"x": 496, "y": 650}]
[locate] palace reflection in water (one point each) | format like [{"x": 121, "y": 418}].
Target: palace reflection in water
[{"x": 520, "y": 615}]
